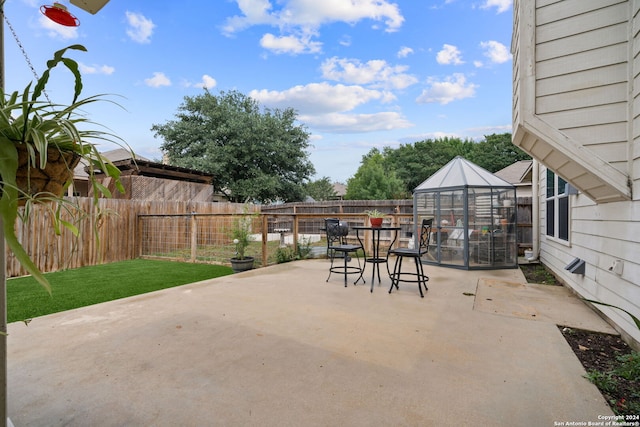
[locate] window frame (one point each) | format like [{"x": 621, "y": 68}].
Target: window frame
[{"x": 558, "y": 209}]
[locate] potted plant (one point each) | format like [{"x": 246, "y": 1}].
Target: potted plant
[
  {"x": 40, "y": 144},
  {"x": 241, "y": 235},
  {"x": 375, "y": 217}
]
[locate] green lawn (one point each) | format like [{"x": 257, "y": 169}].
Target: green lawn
[{"x": 70, "y": 289}]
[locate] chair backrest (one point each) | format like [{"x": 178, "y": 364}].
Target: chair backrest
[
  {"x": 425, "y": 235},
  {"x": 336, "y": 231}
]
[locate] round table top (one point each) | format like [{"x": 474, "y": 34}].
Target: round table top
[{"x": 368, "y": 227}]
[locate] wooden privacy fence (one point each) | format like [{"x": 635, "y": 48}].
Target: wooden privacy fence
[{"x": 108, "y": 237}]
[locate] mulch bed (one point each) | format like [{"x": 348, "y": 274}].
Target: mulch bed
[{"x": 599, "y": 354}]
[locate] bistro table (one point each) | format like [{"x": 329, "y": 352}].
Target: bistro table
[{"x": 375, "y": 259}]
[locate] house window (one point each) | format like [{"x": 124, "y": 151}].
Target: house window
[{"x": 557, "y": 207}]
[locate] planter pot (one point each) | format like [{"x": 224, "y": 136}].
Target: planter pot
[
  {"x": 52, "y": 179},
  {"x": 376, "y": 222},
  {"x": 239, "y": 265}
]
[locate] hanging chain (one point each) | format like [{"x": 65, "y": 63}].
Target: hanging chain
[{"x": 24, "y": 53}]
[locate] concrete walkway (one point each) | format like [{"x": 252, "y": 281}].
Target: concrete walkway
[{"x": 279, "y": 346}]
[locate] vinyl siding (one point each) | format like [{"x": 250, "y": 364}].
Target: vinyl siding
[{"x": 586, "y": 84}]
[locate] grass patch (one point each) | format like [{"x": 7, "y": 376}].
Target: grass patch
[
  {"x": 80, "y": 287},
  {"x": 538, "y": 273}
]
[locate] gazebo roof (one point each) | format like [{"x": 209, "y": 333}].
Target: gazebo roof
[{"x": 460, "y": 172}]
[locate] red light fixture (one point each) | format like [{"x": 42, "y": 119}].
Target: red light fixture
[{"x": 59, "y": 14}]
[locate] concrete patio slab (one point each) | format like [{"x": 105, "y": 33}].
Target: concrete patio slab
[
  {"x": 544, "y": 303},
  {"x": 279, "y": 346}
]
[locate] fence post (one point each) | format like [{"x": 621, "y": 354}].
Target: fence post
[
  {"x": 265, "y": 231},
  {"x": 194, "y": 237},
  {"x": 295, "y": 233}
]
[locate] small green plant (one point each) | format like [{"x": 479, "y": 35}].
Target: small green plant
[
  {"x": 375, "y": 213},
  {"x": 285, "y": 254},
  {"x": 304, "y": 248},
  {"x": 603, "y": 380},
  {"x": 241, "y": 232},
  {"x": 629, "y": 367}
]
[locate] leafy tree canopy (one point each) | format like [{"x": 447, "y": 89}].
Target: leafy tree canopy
[
  {"x": 496, "y": 152},
  {"x": 414, "y": 163},
  {"x": 254, "y": 153},
  {"x": 321, "y": 189},
  {"x": 373, "y": 182}
]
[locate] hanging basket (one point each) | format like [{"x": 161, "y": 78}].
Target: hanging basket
[{"x": 48, "y": 181}]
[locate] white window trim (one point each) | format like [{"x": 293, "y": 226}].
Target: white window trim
[{"x": 556, "y": 197}]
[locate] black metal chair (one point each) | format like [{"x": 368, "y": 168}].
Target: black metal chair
[
  {"x": 337, "y": 243},
  {"x": 418, "y": 277}
]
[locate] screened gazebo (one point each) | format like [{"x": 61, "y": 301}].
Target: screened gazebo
[{"x": 474, "y": 217}]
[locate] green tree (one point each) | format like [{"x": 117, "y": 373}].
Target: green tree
[
  {"x": 373, "y": 182},
  {"x": 254, "y": 153},
  {"x": 414, "y": 163},
  {"x": 496, "y": 152},
  {"x": 321, "y": 189}
]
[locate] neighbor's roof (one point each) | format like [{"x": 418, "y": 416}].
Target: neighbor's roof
[
  {"x": 114, "y": 155},
  {"x": 460, "y": 172},
  {"x": 517, "y": 173},
  {"x": 340, "y": 188},
  {"x": 122, "y": 154}
]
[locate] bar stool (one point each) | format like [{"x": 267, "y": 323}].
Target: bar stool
[
  {"x": 418, "y": 277},
  {"x": 337, "y": 232}
]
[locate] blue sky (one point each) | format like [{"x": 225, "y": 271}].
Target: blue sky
[{"x": 360, "y": 73}]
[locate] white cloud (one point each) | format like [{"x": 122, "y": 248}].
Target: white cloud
[
  {"x": 496, "y": 51},
  {"x": 404, "y": 52},
  {"x": 140, "y": 28},
  {"x": 299, "y": 20},
  {"x": 255, "y": 12},
  {"x": 57, "y": 30},
  {"x": 158, "y": 80},
  {"x": 290, "y": 44},
  {"x": 207, "y": 82},
  {"x": 449, "y": 55},
  {"x": 318, "y": 98},
  {"x": 345, "y": 41},
  {"x": 452, "y": 88},
  {"x": 96, "y": 69},
  {"x": 355, "y": 123},
  {"x": 376, "y": 72},
  {"x": 323, "y": 106},
  {"x": 312, "y": 14},
  {"x": 500, "y": 5}
]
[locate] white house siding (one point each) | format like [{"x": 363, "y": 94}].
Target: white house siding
[
  {"x": 600, "y": 234},
  {"x": 585, "y": 67},
  {"x": 581, "y": 73},
  {"x": 571, "y": 84}
]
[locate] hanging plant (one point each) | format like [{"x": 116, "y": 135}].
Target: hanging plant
[{"x": 40, "y": 145}]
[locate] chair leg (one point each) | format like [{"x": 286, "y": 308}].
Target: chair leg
[
  {"x": 424, "y": 277},
  {"x": 331, "y": 266},
  {"x": 419, "y": 275},
  {"x": 346, "y": 258},
  {"x": 395, "y": 276},
  {"x": 361, "y": 271}
]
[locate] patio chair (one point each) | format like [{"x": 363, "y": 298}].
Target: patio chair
[
  {"x": 418, "y": 277},
  {"x": 337, "y": 232}
]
